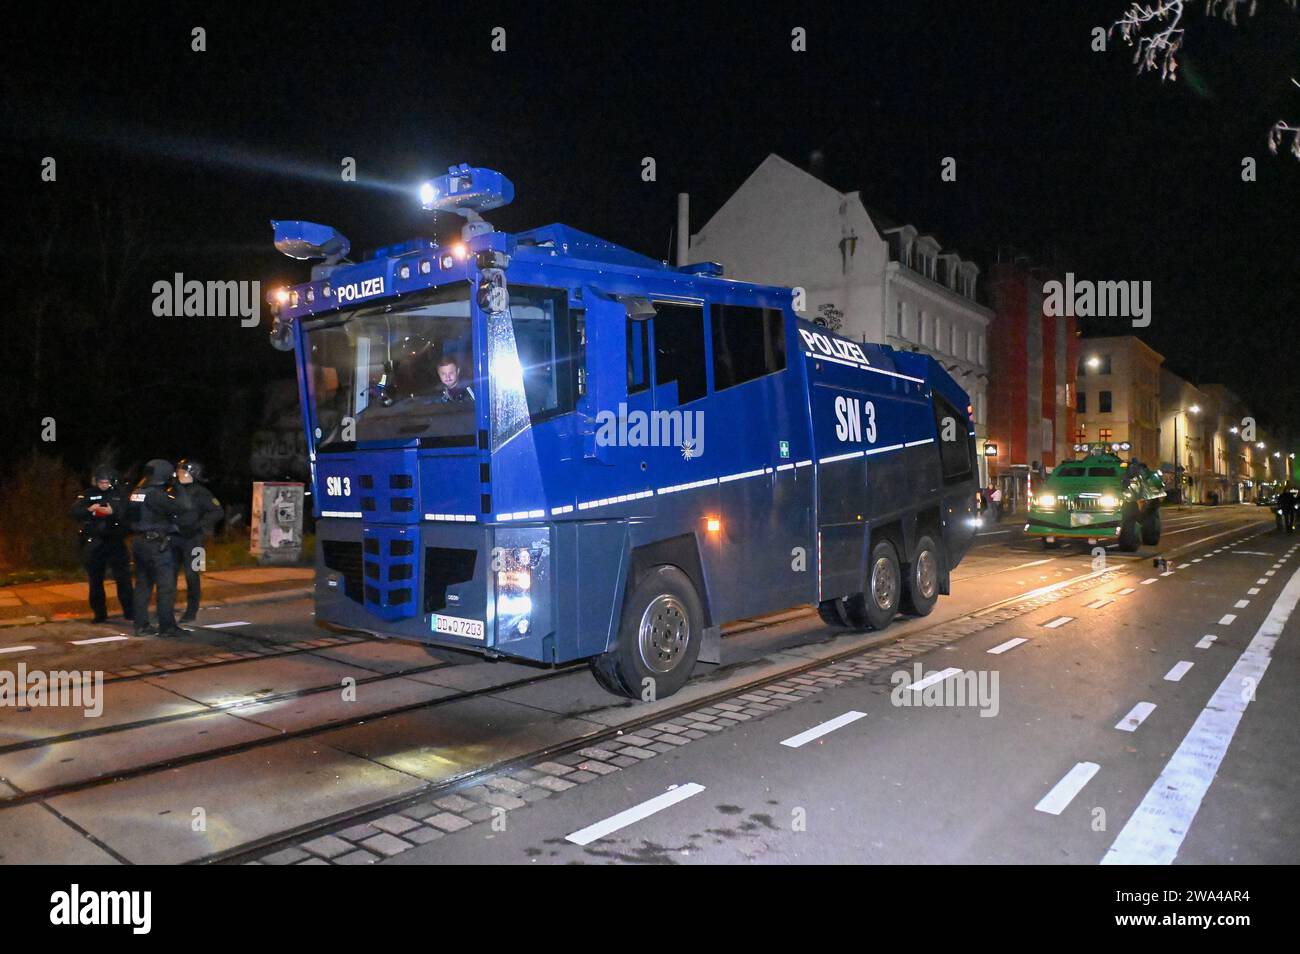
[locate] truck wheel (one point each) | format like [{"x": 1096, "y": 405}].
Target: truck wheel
[
  {"x": 658, "y": 638},
  {"x": 1151, "y": 527},
  {"x": 1128, "y": 533},
  {"x": 834, "y": 613},
  {"x": 922, "y": 589},
  {"x": 876, "y": 608}
]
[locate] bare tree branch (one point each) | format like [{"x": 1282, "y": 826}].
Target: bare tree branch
[{"x": 1156, "y": 30}]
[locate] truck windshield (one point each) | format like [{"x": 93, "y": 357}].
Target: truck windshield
[{"x": 396, "y": 372}]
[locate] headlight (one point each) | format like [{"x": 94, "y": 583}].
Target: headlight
[
  {"x": 1047, "y": 501},
  {"x": 1108, "y": 501}
]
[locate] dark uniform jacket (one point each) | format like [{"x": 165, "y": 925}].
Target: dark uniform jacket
[
  {"x": 203, "y": 511},
  {"x": 94, "y": 527},
  {"x": 154, "y": 511}
]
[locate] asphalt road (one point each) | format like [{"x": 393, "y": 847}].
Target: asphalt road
[{"x": 261, "y": 736}]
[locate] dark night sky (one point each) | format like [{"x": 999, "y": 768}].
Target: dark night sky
[{"x": 1056, "y": 145}]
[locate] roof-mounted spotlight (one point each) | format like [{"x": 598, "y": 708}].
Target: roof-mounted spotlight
[{"x": 307, "y": 240}]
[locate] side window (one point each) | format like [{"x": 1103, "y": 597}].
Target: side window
[
  {"x": 546, "y": 344},
  {"x": 679, "y": 349},
  {"x": 638, "y": 356},
  {"x": 956, "y": 457},
  {"x": 1103, "y": 402},
  {"x": 747, "y": 344}
]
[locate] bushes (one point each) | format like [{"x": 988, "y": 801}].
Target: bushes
[{"x": 35, "y": 530}]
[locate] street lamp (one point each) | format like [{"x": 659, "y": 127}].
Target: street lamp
[{"x": 1094, "y": 362}]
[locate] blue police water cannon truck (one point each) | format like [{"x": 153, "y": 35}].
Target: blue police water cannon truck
[{"x": 548, "y": 447}]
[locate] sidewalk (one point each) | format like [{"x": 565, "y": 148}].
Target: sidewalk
[{"x": 41, "y": 602}]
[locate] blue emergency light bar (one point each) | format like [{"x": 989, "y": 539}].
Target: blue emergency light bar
[
  {"x": 467, "y": 191},
  {"x": 308, "y": 240}
]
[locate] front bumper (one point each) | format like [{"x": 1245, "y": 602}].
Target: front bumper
[{"x": 1081, "y": 524}]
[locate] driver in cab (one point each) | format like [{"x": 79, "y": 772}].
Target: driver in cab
[{"x": 450, "y": 388}]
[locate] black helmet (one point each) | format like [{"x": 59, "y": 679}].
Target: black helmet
[
  {"x": 192, "y": 467},
  {"x": 158, "y": 471},
  {"x": 104, "y": 472}
]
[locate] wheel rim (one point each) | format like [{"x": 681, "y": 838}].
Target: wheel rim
[
  {"x": 927, "y": 574},
  {"x": 884, "y": 583},
  {"x": 664, "y": 634}
]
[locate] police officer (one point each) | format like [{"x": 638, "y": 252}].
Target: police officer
[
  {"x": 202, "y": 514},
  {"x": 1287, "y": 502},
  {"x": 101, "y": 510},
  {"x": 450, "y": 389},
  {"x": 153, "y": 512}
]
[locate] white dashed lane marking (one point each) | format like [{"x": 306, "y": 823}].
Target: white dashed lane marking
[
  {"x": 1205, "y": 641},
  {"x": 1058, "y": 622},
  {"x": 1097, "y": 604},
  {"x": 1227, "y": 619},
  {"x": 17, "y": 649},
  {"x": 1001, "y": 648},
  {"x": 1124, "y": 592},
  {"x": 98, "y": 639},
  {"x": 934, "y": 677},
  {"x": 817, "y": 731},
  {"x": 1136, "y": 717},
  {"x": 1241, "y": 604},
  {"x": 226, "y": 625},
  {"x": 630, "y": 816},
  {"x": 1180, "y": 669},
  {"x": 1063, "y": 792},
  {"x": 1253, "y": 591},
  {"x": 1149, "y": 580}
]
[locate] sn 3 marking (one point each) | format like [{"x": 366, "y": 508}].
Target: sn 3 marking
[
  {"x": 338, "y": 486},
  {"x": 848, "y": 420}
]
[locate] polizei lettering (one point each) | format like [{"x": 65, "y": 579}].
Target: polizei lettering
[
  {"x": 833, "y": 347},
  {"x": 361, "y": 289}
]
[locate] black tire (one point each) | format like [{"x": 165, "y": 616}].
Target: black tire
[
  {"x": 833, "y": 613},
  {"x": 921, "y": 590},
  {"x": 659, "y": 637},
  {"x": 1151, "y": 527},
  {"x": 1128, "y": 533},
  {"x": 877, "y": 607}
]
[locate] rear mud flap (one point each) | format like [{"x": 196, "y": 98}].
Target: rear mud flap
[{"x": 711, "y": 645}]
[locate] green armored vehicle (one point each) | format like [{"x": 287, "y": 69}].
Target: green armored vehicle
[{"x": 1099, "y": 498}]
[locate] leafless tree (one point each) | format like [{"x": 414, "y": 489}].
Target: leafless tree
[{"x": 1155, "y": 30}]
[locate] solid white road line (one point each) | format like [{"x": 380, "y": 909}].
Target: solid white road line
[
  {"x": 225, "y": 625},
  {"x": 1058, "y": 622},
  {"x": 98, "y": 639},
  {"x": 817, "y": 731},
  {"x": 1063, "y": 792},
  {"x": 16, "y": 649},
  {"x": 1205, "y": 641},
  {"x": 1156, "y": 831},
  {"x": 1227, "y": 619},
  {"x": 1136, "y": 716},
  {"x": 613, "y": 823},
  {"x": 1179, "y": 670},
  {"x": 934, "y": 677},
  {"x": 1001, "y": 648}
]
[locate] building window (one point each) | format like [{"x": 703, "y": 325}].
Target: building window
[
  {"x": 1081, "y": 402},
  {"x": 1103, "y": 402},
  {"x": 902, "y": 313},
  {"x": 981, "y": 339},
  {"x": 1105, "y": 434},
  {"x": 1105, "y": 364},
  {"x": 921, "y": 330},
  {"x": 1081, "y": 435}
]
